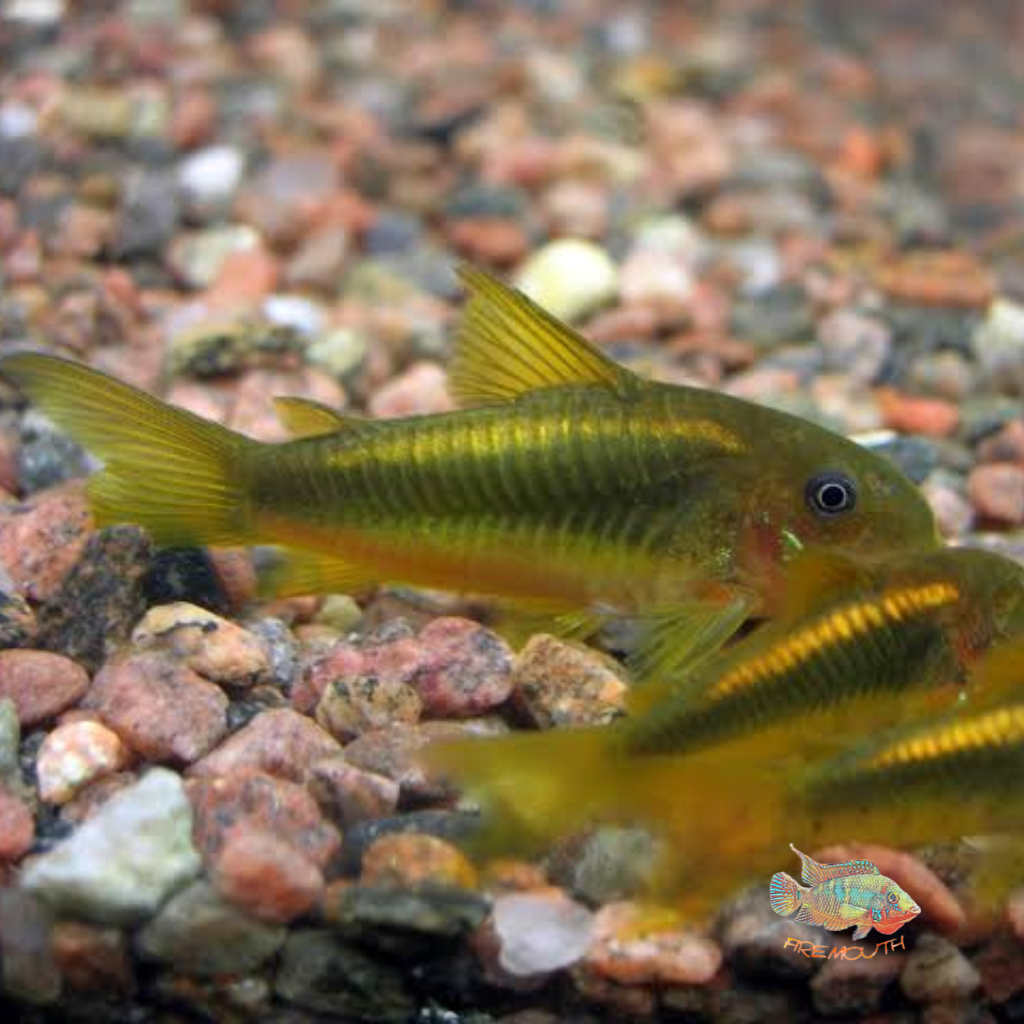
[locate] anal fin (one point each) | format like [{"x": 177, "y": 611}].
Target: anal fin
[
  {"x": 294, "y": 572},
  {"x": 518, "y": 624}
]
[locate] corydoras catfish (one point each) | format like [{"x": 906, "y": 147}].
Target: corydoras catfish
[
  {"x": 567, "y": 484},
  {"x": 749, "y": 746},
  {"x": 847, "y": 631}
]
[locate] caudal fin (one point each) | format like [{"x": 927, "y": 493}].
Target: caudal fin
[
  {"x": 173, "y": 473},
  {"x": 784, "y": 893},
  {"x": 717, "y": 818},
  {"x": 533, "y": 788}
]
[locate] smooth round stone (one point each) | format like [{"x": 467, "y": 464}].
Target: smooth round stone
[{"x": 570, "y": 278}]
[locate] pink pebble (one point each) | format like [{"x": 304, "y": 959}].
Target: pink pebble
[
  {"x": 266, "y": 876},
  {"x": 41, "y": 684},
  {"x": 17, "y": 827}
]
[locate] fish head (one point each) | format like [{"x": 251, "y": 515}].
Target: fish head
[
  {"x": 1002, "y": 584},
  {"x": 986, "y": 624},
  {"x": 818, "y": 489},
  {"x": 896, "y": 906},
  {"x": 989, "y": 609}
]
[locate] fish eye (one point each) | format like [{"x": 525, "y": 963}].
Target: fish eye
[
  {"x": 831, "y": 494},
  {"x": 893, "y": 897}
]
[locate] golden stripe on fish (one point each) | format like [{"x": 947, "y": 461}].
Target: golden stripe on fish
[
  {"x": 840, "y": 626},
  {"x": 997, "y": 728},
  {"x": 704, "y": 430}
]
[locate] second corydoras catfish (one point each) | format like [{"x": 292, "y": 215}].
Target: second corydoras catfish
[
  {"x": 868, "y": 709},
  {"x": 567, "y": 484}
]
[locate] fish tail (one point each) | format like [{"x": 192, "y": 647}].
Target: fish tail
[
  {"x": 532, "y": 788},
  {"x": 999, "y": 871},
  {"x": 716, "y": 821},
  {"x": 785, "y": 894},
  {"x": 175, "y": 474}
]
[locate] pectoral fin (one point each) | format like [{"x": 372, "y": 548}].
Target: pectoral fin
[
  {"x": 1000, "y": 868},
  {"x": 851, "y": 912},
  {"x": 814, "y": 575},
  {"x": 507, "y": 346},
  {"x": 673, "y": 641},
  {"x": 861, "y": 931}
]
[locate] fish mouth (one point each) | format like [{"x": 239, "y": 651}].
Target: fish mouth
[{"x": 914, "y": 910}]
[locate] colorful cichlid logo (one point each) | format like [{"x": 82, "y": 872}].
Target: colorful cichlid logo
[{"x": 838, "y": 896}]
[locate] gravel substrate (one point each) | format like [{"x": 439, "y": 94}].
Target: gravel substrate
[{"x": 212, "y": 808}]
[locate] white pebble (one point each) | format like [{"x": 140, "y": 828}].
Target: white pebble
[
  {"x": 672, "y": 235},
  {"x": 541, "y": 932},
  {"x": 211, "y": 176},
  {"x": 17, "y": 120},
  {"x": 570, "y": 278},
  {"x": 74, "y": 755},
  {"x": 295, "y": 311},
  {"x": 998, "y": 343},
  {"x": 121, "y": 864},
  {"x": 35, "y": 12}
]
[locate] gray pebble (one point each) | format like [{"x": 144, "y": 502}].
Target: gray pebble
[
  {"x": 198, "y": 932},
  {"x": 320, "y": 972},
  {"x": 281, "y": 650},
  {"x": 397, "y": 920},
  {"x": 393, "y": 231},
  {"x": 29, "y": 972},
  {"x": 45, "y": 455},
  {"x": 753, "y": 936},
  {"x": 937, "y": 972},
  {"x": 774, "y": 318},
  {"x": 10, "y": 742},
  {"x": 613, "y": 864},
  {"x": 148, "y": 218},
  {"x": 855, "y": 343},
  {"x": 101, "y": 599}
]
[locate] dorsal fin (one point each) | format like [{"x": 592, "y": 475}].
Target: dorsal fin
[
  {"x": 813, "y": 872},
  {"x": 507, "y": 346},
  {"x": 816, "y": 574},
  {"x": 305, "y": 418}
]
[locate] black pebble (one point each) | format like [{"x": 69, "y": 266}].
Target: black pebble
[{"x": 185, "y": 574}]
